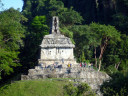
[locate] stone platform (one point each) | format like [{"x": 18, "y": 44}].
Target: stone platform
[
  {"x": 78, "y": 74},
  {"x": 64, "y": 63}
]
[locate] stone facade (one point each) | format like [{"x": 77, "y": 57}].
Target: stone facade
[{"x": 56, "y": 48}]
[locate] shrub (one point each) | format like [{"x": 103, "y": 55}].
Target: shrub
[{"x": 81, "y": 89}]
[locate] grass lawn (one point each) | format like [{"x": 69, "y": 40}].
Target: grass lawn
[{"x": 48, "y": 87}]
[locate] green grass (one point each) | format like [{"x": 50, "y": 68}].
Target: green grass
[
  {"x": 46, "y": 87},
  {"x": 34, "y": 88}
]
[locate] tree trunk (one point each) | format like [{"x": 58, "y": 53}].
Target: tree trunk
[
  {"x": 100, "y": 57},
  {"x": 117, "y": 65},
  {"x": 99, "y": 64},
  {"x": 95, "y": 58},
  {"x": 102, "y": 49}
]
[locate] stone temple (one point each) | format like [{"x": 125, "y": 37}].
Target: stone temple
[{"x": 56, "y": 48}]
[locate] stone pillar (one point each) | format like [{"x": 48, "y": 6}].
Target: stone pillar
[{"x": 55, "y": 25}]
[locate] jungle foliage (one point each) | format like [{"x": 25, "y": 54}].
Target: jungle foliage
[
  {"x": 11, "y": 34},
  {"x": 117, "y": 86},
  {"x": 98, "y": 28}
]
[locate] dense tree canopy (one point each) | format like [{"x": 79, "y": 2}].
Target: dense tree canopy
[
  {"x": 51, "y": 8},
  {"x": 106, "y": 34},
  {"x": 11, "y": 34}
]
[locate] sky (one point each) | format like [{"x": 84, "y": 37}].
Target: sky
[{"x": 12, "y": 3}]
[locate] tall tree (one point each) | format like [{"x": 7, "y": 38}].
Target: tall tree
[
  {"x": 11, "y": 34},
  {"x": 107, "y": 34},
  {"x": 38, "y": 29},
  {"x": 115, "y": 57}
]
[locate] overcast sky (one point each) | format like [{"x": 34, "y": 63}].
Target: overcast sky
[{"x": 12, "y": 3}]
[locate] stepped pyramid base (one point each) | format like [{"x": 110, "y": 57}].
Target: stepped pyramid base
[{"x": 94, "y": 78}]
